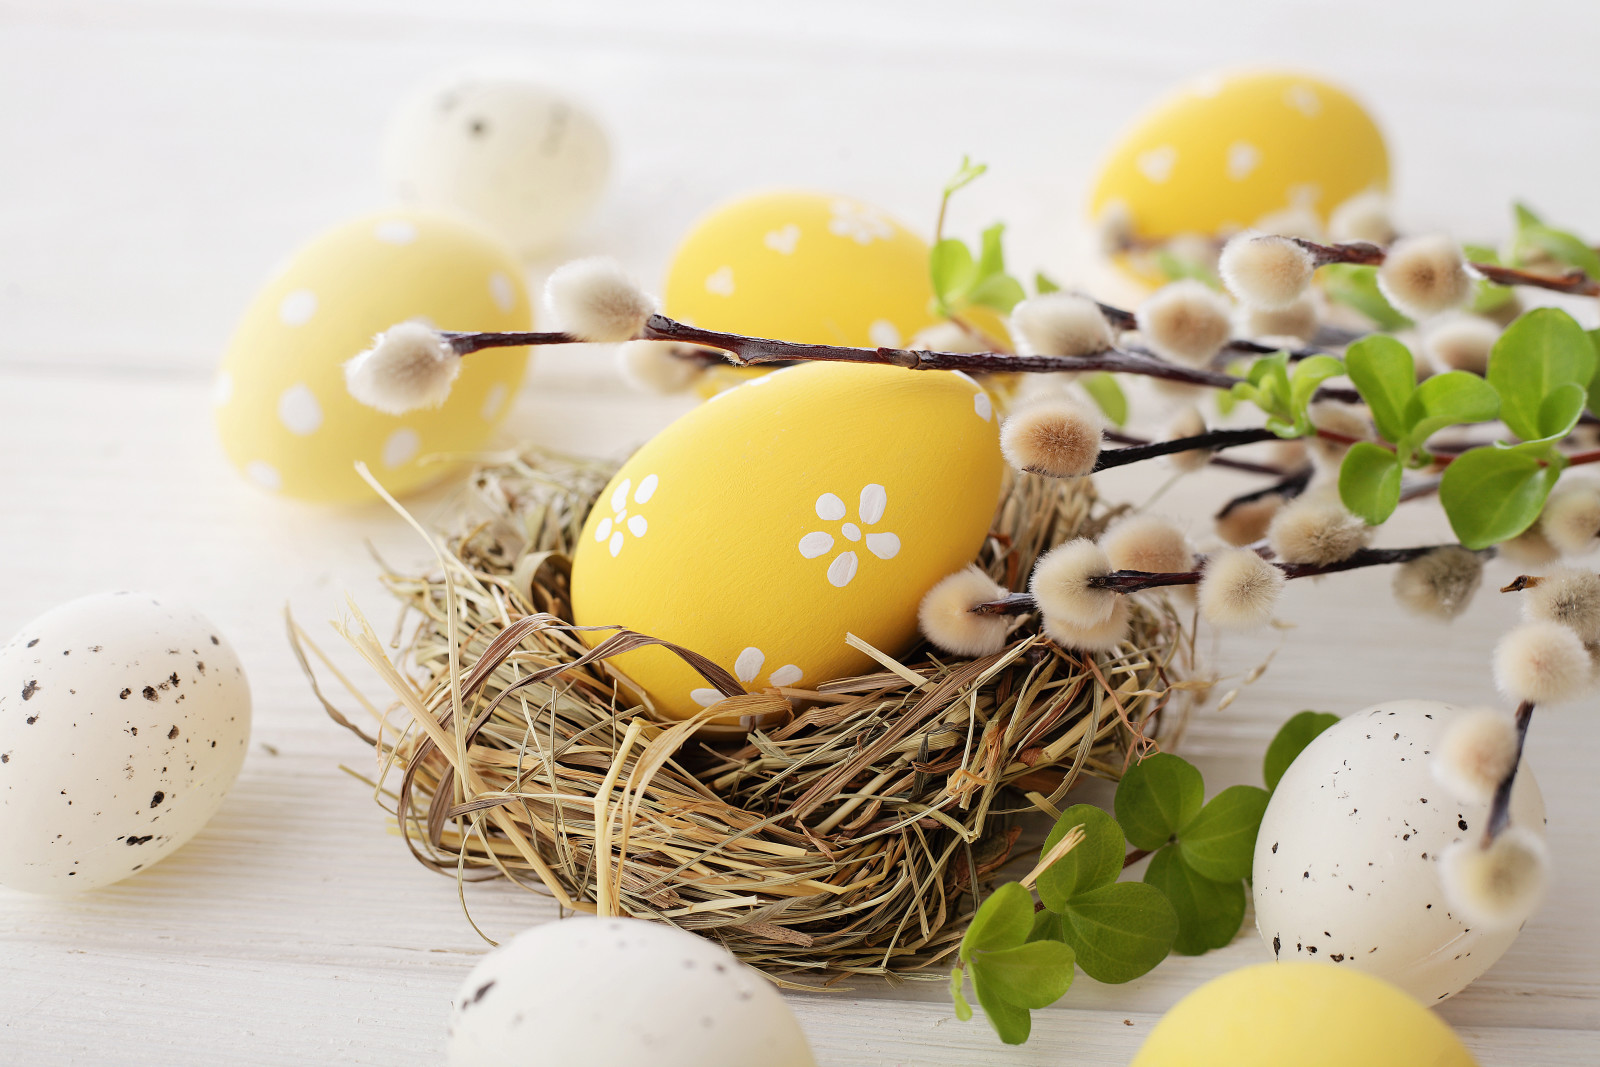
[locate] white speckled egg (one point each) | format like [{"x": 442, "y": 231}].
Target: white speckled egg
[
  {"x": 1346, "y": 864},
  {"x": 124, "y": 718},
  {"x": 523, "y": 159},
  {"x": 620, "y": 993}
]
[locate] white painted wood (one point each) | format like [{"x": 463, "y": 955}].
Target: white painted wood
[{"x": 158, "y": 156}]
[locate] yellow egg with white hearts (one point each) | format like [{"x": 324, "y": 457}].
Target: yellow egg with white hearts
[
  {"x": 761, "y": 528},
  {"x": 1228, "y": 150},
  {"x": 282, "y": 410},
  {"x": 1305, "y": 1014}
]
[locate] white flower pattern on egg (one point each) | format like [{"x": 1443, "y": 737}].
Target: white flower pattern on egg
[
  {"x": 874, "y": 501},
  {"x": 613, "y": 531},
  {"x": 858, "y": 222},
  {"x": 747, "y": 668}
]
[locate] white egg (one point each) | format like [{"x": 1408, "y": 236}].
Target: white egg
[
  {"x": 124, "y": 718},
  {"x": 1346, "y": 864},
  {"x": 620, "y": 993},
  {"x": 520, "y": 157}
]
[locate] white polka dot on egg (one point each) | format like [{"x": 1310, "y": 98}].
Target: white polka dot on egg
[
  {"x": 503, "y": 292},
  {"x": 396, "y": 231},
  {"x": 401, "y": 447},
  {"x": 297, "y": 307},
  {"x": 264, "y": 474},
  {"x": 299, "y": 411}
]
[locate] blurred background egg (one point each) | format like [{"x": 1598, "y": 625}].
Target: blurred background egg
[
  {"x": 760, "y": 528},
  {"x": 124, "y": 718},
  {"x": 1234, "y": 149},
  {"x": 1278, "y": 1014},
  {"x": 1346, "y": 866},
  {"x": 620, "y": 993},
  {"x": 282, "y": 411},
  {"x": 518, "y": 156}
]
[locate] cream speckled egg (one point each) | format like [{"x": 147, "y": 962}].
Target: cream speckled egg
[
  {"x": 1299, "y": 1015},
  {"x": 124, "y": 718},
  {"x": 1228, "y": 149},
  {"x": 1346, "y": 864},
  {"x": 517, "y": 155},
  {"x": 620, "y": 993},
  {"x": 282, "y": 410},
  {"x": 761, "y": 528}
]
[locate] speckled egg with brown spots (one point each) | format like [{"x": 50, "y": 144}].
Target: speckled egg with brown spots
[
  {"x": 124, "y": 718},
  {"x": 1346, "y": 864}
]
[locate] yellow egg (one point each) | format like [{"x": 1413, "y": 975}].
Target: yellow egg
[
  {"x": 284, "y": 416},
  {"x": 762, "y": 527},
  {"x": 1225, "y": 151},
  {"x": 805, "y": 267},
  {"x": 1306, "y": 1014}
]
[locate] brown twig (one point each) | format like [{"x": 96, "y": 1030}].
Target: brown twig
[
  {"x": 1288, "y": 487},
  {"x": 1500, "y": 810},
  {"x": 1573, "y": 281}
]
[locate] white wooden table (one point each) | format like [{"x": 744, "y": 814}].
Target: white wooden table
[{"x": 158, "y": 156}]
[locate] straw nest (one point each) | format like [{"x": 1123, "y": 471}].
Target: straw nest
[{"x": 843, "y": 836}]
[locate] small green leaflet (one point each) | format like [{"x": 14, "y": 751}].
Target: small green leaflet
[
  {"x": 1384, "y": 374},
  {"x": 1102, "y": 387},
  {"x": 1009, "y": 972},
  {"x": 1448, "y": 399},
  {"x": 1220, "y": 842},
  {"x": 1157, "y": 798},
  {"x": 1095, "y": 862},
  {"x": 1594, "y": 383},
  {"x": 1356, "y": 286},
  {"x": 1538, "y": 354},
  {"x": 1291, "y": 739},
  {"x": 1209, "y": 913},
  {"x": 1493, "y": 494},
  {"x": 1369, "y": 482},
  {"x": 1535, "y": 241}
]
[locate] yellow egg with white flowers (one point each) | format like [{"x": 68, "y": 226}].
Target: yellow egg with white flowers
[
  {"x": 282, "y": 410},
  {"x": 1301, "y": 1013},
  {"x": 761, "y": 528},
  {"x": 1229, "y": 150},
  {"x": 800, "y": 266}
]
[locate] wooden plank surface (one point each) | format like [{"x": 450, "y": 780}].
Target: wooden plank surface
[{"x": 161, "y": 156}]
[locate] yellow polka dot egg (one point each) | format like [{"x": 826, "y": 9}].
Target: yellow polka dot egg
[
  {"x": 1232, "y": 150},
  {"x": 282, "y": 410},
  {"x": 764, "y": 526},
  {"x": 809, "y": 267}
]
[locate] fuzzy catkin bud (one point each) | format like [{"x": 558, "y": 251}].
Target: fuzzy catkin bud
[
  {"x": 1101, "y": 637},
  {"x": 653, "y": 367},
  {"x": 1571, "y": 518},
  {"x": 595, "y": 300},
  {"x": 1057, "y": 438},
  {"x": 1425, "y": 276},
  {"x": 1147, "y": 543},
  {"x": 946, "y": 617},
  {"x": 1568, "y": 596},
  {"x": 1060, "y": 584},
  {"x": 1185, "y": 322},
  {"x": 1461, "y": 342},
  {"x": 1247, "y": 522},
  {"x": 1496, "y": 887},
  {"x": 1266, "y": 271},
  {"x": 1060, "y": 324},
  {"x": 1188, "y": 423},
  {"x": 1296, "y": 321},
  {"x": 1541, "y": 663},
  {"x": 949, "y": 337},
  {"x": 1238, "y": 589},
  {"x": 1441, "y": 583},
  {"x": 1476, "y": 753},
  {"x": 1363, "y": 217},
  {"x": 409, "y": 366},
  {"x": 1316, "y": 531}
]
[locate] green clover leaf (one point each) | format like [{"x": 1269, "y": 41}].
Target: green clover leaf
[
  {"x": 1209, "y": 913},
  {"x": 1291, "y": 739},
  {"x": 1157, "y": 798},
  {"x": 1220, "y": 842}
]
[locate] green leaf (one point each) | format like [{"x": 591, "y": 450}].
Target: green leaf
[
  {"x": 1356, "y": 286},
  {"x": 1043, "y": 284},
  {"x": 1034, "y": 976},
  {"x": 992, "y": 254},
  {"x": 1536, "y": 355},
  {"x": 1292, "y": 738},
  {"x": 1009, "y": 1021},
  {"x": 1120, "y": 931},
  {"x": 1220, "y": 843},
  {"x": 1487, "y": 297},
  {"x": 1157, "y": 798},
  {"x": 1447, "y": 399},
  {"x": 1385, "y": 375},
  {"x": 1369, "y": 482},
  {"x": 1047, "y": 926},
  {"x": 1108, "y": 395},
  {"x": 1308, "y": 374},
  {"x": 964, "y": 176},
  {"x": 1535, "y": 240},
  {"x": 1560, "y": 410},
  {"x": 1096, "y": 861},
  {"x": 953, "y": 272},
  {"x": 1000, "y": 292},
  {"x": 1002, "y": 921},
  {"x": 1209, "y": 913},
  {"x": 958, "y": 978},
  {"x": 1493, "y": 494},
  {"x": 1594, "y": 382}
]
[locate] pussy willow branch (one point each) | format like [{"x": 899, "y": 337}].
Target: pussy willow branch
[
  {"x": 1287, "y": 487},
  {"x": 1138, "y": 581},
  {"x": 1500, "y": 810},
  {"x": 1574, "y": 281},
  {"x": 1118, "y": 437}
]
